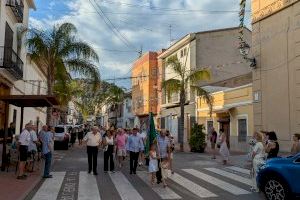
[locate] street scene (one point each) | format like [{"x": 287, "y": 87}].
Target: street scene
[{"x": 149, "y": 99}]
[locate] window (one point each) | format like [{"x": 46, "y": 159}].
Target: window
[
  {"x": 184, "y": 52},
  {"x": 242, "y": 130},
  {"x": 181, "y": 53}
]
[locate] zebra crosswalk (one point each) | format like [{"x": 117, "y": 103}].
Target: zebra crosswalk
[{"x": 203, "y": 183}]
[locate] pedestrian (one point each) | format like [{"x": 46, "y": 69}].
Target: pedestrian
[
  {"x": 272, "y": 147},
  {"x": 93, "y": 140},
  {"x": 73, "y": 136},
  {"x": 163, "y": 152},
  {"x": 134, "y": 146},
  {"x": 121, "y": 140},
  {"x": 32, "y": 148},
  {"x": 213, "y": 141},
  {"x": 24, "y": 141},
  {"x": 80, "y": 135},
  {"x": 296, "y": 144},
  {"x": 258, "y": 155},
  {"x": 172, "y": 149},
  {"x": 11, "y": 133},
  {"x": 153, "y": 164},
  {"x": 40, "y": 146},
  {"x": 108, "y": 143},
  {"x": 47, "y": 149},
  {"x": 143, "y": 136},
  {"x": 224, "y": 151}
]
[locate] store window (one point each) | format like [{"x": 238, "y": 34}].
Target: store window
[{"x": 242, "y": 130}]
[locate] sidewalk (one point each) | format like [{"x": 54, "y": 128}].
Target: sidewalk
[{"x": 14, "y": 189}]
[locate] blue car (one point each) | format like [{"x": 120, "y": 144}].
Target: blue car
[{"x": 279, "y": 178}]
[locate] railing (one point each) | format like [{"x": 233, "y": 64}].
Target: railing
[
  {"x": 11, "y": 62},
  {"x": 17, "y": 7}
]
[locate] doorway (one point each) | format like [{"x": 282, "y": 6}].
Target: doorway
[{"x": 225, "y": 125}]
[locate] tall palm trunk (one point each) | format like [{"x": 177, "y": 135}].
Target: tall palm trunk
[
  {"x": 181, "y": 121},
  {"x": 50, "y": 92}
]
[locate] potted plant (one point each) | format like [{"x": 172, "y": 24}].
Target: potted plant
[{"x": 197, "y": 141}]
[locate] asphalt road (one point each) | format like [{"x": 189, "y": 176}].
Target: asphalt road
[{"x": 196, "y": 177}]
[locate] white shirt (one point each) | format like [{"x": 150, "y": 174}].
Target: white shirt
[
  {"x": 24, "y": 138},
  {"x": 92, "y": 139},
  {"x": 33, "y": 139}
]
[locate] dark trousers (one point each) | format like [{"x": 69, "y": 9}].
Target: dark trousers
[
  {"x": 48, "y": 158},
  {"x": 108, "y": 156},
  {"x": 134, "y": 156},
  {"x": 92, "y": 157},
  {"x": 158, "y": 173}
]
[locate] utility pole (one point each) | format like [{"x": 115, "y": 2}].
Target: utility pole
[
  {"x": 141, "y": 51},
  {"x": 170, "y": 33}
]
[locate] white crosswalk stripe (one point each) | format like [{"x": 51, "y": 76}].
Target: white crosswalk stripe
[
  {"x": 217, "y": 182},
  {"x": 124, "y": 187},
  {"x": 232, "y": 176},
  {"x": 238, "y": 169},
  {"x": 164, "y": 193},
  {"x": 192, "y": 187},
  {"x": 87, "y": 185},
  {"x": 50, "y": 188}
]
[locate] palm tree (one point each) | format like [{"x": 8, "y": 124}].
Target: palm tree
[
  {"x": 183, "y": 81},
  {"x": 60, "y": 51}
]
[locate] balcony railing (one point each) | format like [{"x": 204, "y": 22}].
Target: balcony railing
[
  {"x": 11, "y": 62},
  {"x": 17, "y": 7}
]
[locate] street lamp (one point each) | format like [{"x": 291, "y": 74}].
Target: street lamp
[{"x": 244, "y": 51}]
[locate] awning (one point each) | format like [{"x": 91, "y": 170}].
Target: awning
[{"x": 30, "y": 100}]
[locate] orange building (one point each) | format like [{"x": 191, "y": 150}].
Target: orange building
[{"x": 144, "y": 85}]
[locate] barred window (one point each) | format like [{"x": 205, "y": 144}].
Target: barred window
[{"x": 242, "y": 130}]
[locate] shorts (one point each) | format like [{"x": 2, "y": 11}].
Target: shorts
[
  {"x": 23, "y": 152},
  {"x": 31, "y": 154},
  {"x": 213, "y": 145},
  {"x": 171, "y": 155},
  {"x": 121, "y": 152}
]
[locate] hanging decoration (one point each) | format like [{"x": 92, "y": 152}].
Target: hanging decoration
[{"x": 241, "y": 26}]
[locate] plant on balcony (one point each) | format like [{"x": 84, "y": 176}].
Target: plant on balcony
[
  {"x": 183, "y": 80},
  {"x": 60, "y": 51},
  {"x": 197, "y": 141}
]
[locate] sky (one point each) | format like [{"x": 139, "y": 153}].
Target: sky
[{"x": 119, "y": 29}]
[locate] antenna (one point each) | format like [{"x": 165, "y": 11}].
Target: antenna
[
  {"x": 170, "y": 33},
  {"x": 141, "y": 51}
]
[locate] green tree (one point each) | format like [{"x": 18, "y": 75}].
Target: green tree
[
  {"x": 182, "y": 82},
  {"x": 59, "y": 50}
]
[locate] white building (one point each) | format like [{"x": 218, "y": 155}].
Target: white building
[{"x": 127, "y": 114}]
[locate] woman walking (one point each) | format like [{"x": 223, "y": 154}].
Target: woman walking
[
  {"x": 258, "y": 155},
  {"x": 108, "y": 142},
  {"x": 272, "y": 147},
  {"x": 80, "y": 135},
  {"x": 224, "y": 152},
  {"x": 153, "y": 164}
]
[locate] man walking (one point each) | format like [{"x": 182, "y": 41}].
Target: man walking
[
  {"x": 24, "y": 141},
  {"x": 134, "y": 146},
  {"x": 163, "y": 152},
  {"x": 121, "y": 140},
  {"x": 47, "y": 142},
  {"x": 93, "y": 140},
  {"x": 213, "y": 141}
]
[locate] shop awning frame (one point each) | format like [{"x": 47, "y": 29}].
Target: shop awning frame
[{"x": 30, "y": 100}]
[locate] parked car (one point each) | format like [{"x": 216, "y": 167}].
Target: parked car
[
  {"x": 61, "y": 137},
  {"x": 279, "y": 178}
]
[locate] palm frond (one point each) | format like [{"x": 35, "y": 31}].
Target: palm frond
[
  {"x": 175, "y": 65},
  {"x": 199, "y": 75},
  {"x": 171, "y": 86},
  {"x": 206, "y": 96}
]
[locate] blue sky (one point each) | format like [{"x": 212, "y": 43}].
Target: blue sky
[{"x": 136, "y": 24}]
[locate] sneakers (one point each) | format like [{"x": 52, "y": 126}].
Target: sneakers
[
  {"x": 95, "y": 173},
  {"x": 21, "y": 177}
]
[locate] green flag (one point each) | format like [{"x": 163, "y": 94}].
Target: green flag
[{"x": 151, "y": 135}]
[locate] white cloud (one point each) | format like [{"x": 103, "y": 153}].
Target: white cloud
[{"x": 149, "y": 28}]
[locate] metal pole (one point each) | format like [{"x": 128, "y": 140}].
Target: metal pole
[
  {"x": 4, "y": 158},
  {"x": 21, "y": 122}
]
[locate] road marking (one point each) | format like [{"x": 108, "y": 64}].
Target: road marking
[
  {"x": 124, "y": 187},
  {"x": 217, "y": 182},
  {"x": 50, "y": 188},
  {"x": 238, "y": 169},
  {"x": 232, "y": 176},
  {"x": 191, "y": 186},
  {"x": 164, "y": 193},
  {"x": 87, "y": 188}
]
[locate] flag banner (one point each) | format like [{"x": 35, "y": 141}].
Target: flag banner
[{"x": 151, "y": 134}]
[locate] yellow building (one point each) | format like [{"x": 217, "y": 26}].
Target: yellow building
[{"x": 233, "y": 112}]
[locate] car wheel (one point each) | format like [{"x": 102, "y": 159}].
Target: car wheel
[{"x": 276, "y": 189}]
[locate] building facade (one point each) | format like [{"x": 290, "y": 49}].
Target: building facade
[
  {"x": 232, "y": 111},
  {"x": 14, "y": 17},
  {"x": 216, "y": 50},
  {"x": 144, "y": 86},
  {"x": 276, "y": 79}
]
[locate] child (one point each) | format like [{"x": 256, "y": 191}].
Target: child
[
  {"x": 153, "y": 164},
  {"x": 164, "y": 171}
]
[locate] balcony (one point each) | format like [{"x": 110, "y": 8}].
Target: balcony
[
  {"x": 10, "y": 61},
  {"x": 17, "y": 7}
]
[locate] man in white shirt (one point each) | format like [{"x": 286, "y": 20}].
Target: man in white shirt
[
  {"x": 93, "y": 139},
  {"x": 32, "y": 148},
  {"x": 24, "y": 141}
]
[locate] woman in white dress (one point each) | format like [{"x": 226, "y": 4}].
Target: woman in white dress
[
  {"x": 153, "y": 163},
  {"x": 258, "y": 156},
  {"x": 224, "y": 151}
]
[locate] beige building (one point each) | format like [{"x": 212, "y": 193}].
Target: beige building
[
  {"x": 232, "y": 111},
  {"x": 276, "y": 80},
  {"x": 216, "y": 50}
]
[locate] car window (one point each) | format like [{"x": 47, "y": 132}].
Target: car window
[
  {"x": 297, "y": 160},
  {"x": 59, "y": 129}
]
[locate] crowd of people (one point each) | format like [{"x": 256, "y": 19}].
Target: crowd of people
[
  {"x": 263, "y": 146},
  {"x": 121, "y": 143}
]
